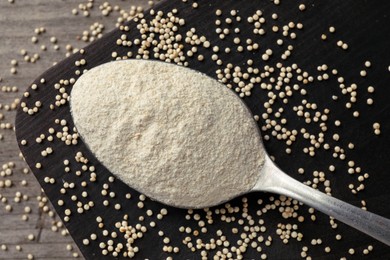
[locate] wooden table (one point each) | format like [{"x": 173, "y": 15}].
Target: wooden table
[{"x": 18, "y": 21}]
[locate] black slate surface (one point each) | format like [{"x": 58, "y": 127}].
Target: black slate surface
[{"x": 364, "y": 25}]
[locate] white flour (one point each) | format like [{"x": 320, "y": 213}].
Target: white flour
[{"x": 171, "y": 133}]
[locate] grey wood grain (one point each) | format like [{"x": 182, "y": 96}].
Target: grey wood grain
[{"x": 17, "y": 24}]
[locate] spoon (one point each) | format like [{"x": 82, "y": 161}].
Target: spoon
[{"x": 269, "y": 177}]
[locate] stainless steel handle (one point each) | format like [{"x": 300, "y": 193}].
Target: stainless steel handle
[{"x": 272, "y": 179}]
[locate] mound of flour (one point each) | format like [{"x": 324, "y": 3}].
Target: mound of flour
[{"x": 169, "y": 132}]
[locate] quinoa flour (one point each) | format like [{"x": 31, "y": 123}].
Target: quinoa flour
[{"x": 173, "y": 134}]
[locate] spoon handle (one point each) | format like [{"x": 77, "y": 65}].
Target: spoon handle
[{"x": 274, "y": 180}]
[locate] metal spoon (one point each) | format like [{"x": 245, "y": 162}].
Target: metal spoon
[{"x": 269, "y": 177}]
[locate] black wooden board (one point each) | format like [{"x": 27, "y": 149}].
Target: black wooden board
[{"x": 363, "y": 25}]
